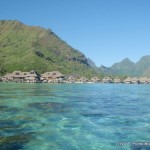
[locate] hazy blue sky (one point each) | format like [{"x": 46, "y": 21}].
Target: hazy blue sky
[{"x": 104, "y": 30}]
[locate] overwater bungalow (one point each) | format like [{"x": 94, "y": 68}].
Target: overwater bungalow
[
  {"x": 117, "y": 80},
  {"x": 107, "y": 80},
  {"x": 148, "y": 80},
  {"x": 45, "y": 77},
  {"x": 128, "y": 80},
  {"x": 83, "y": 80},
  {"x": 143, "y": 80},
  {"x": 71, "y": 79},
  {"x": 52, "y": 77},
  {"x": 31, "y": 76},
  {"x": 135, "y": 80},
  {"x": 17, "y": 76},
  {"x": 57, "y": 77},
  {"x": 95, "y": 80},
  {"x": 6, "y": 78}
]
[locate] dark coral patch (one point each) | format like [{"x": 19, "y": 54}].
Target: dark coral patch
[
  {"x": 53, "y": 107},
  {"x": 15, "y": 142}
]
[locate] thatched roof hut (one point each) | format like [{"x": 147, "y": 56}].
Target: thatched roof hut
[
  {"x": 148, "y": 80},
  {"x": 71, "y": 79},
  {"x": 117, "y": 80},
  {"x": 52, "y": 77},
  {"x": 135, "y": 80},
  {"x": 143, "y": 80},
  {"x": 6, "y": 77},
  {"x": 25, "y": 73},
  {"x": 44, "y": 76},
  {"x": 17, "y": 74},
  {"x": 107, "y": 80},
  {"x": 32, "y": 73},
  {"x": 128, "y": 80},
  {"x": 32, "y": 76},
  {"x": 83, "y": 80},
  {"x": 57, "y": 74},
  {"x": 95, "y": 79}
]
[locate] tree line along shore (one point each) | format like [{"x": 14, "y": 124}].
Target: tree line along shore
[{"x": 57, "y": 77}]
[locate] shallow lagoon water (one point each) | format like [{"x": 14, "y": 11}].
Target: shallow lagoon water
[{"x": 74, "y": 116}]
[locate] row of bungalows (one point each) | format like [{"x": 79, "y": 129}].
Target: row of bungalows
[
  {"x": 110, "y": 80},
  {"x": 136, "y": 80},
  {"x": 33, "y": 77},
  {"x": 18, "y": 76},
  {"x": 53, "y": 77},
  {"x": 128, "y": 80},
  {"x": 56, "y": 77},
  {"x": 72, "y": 79}
]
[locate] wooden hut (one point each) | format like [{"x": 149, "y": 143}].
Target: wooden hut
[
  {"x": 135, "y": 80},
  {"x": 128, "y": 80},
  {"x": 17, "y": 76},
  {"x": 95, "y": 80},
  {"x": 83, "y": 80},
  {"x": 31, "y": 76},
  {"x": 107, "y": 80},
  {"x": 71, "y": 79},
  {"x": 52, "y": 77},
  {"x": 143, "y": 80},
  {"x": 6, "y": 78},
  {"x": 148, "y": 80},
  {"x": 44, "y": 77},
  {"x": 117, "y": 80}
]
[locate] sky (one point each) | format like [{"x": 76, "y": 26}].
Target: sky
[{"x": 106, "y": 31}]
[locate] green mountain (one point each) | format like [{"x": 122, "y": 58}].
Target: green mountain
[
  {"x": 107, "y": 70},
  {"x": 27, "y": 48},
  {"x": 124, "y": 67},
  {"x": 127, "y": 67},
  {"x": 142, "y": 67}
]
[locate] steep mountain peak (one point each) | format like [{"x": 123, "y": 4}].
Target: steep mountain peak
[
  {"x": 126, "y": 60},
  {"x": 35, "y": 48},
  {"x": 123, "y": 67}
]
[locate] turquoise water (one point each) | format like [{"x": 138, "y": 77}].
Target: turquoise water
[{"x": 74, "y": 116}]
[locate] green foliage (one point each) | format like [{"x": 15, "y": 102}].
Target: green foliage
[
  {"x": 124, "y": 67},
  {"x": 26, "y": 48},
  {"x": 143, "y": 66}
]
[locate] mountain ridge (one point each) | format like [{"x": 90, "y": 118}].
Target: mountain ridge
[
  {"x": 128, "y": 68},
  {"x": 25, "y": 48}
]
